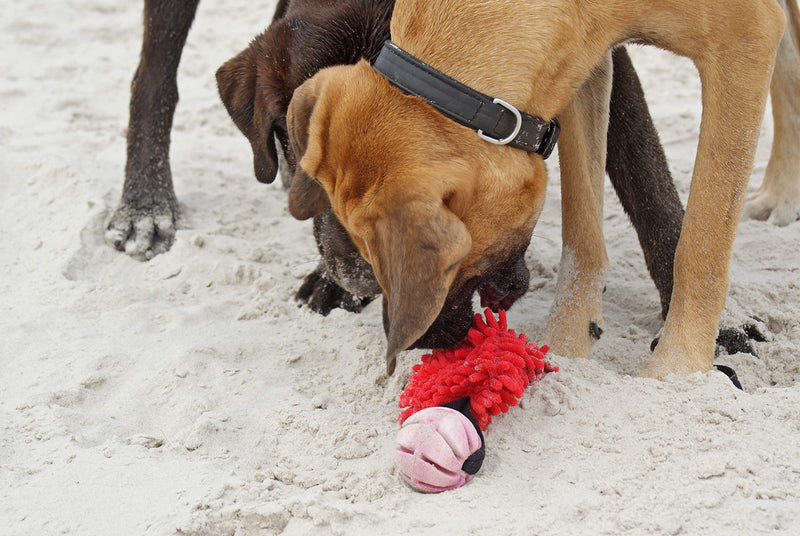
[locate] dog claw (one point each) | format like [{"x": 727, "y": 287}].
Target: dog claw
[
  {"x": 116, "y": 239},
  {"x": 595, "y": 330}
]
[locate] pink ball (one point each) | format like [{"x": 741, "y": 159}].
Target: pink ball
[{"x": 432, "y": 446}]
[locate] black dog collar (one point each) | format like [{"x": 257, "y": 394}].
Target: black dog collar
[{"x": 495, "y": 120}]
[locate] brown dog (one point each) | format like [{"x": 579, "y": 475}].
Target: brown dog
[{"x": 432, "y": 206}]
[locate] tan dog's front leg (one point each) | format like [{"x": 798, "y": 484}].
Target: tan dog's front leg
[
  {"x": 576, "y": 317},
  {"x": 778, "y": 197},
  {"x": 735, "y": 82}
]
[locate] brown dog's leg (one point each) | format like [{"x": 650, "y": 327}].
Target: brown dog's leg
[
  {"x": 144, "y": 223},
  {"x": 638, "y": 170},
  {"x": 639, "y": 173},
  {"x": 343, "y": 278},
  {"x": 778, "y": 197},
  {"x": 735, "y": 82},
  {"x": 576, "y": 316}
]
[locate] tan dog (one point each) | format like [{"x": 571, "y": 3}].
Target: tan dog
[
  {"x": 433, "y": 207},
  {"x": 777, "y": 199}
]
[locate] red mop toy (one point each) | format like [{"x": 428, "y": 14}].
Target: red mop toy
[{"x": 453, "y": 395}]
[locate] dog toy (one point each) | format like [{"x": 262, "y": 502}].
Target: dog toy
[{"x": 454, "y": 393}]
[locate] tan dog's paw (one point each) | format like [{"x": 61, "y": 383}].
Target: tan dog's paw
[
  {"x": 674, "y": 360},
  {"x": 571, "y": 330},
  {"x": 766, "y": 205},
  {"x": 574, "y": 341},
  {"x": 576, "y": 316}
]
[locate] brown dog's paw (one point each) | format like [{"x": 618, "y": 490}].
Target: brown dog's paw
[
  {"x": 734, "y": 340},
  {"x": 740, "y": 339},
  {"x": 323, "y": 295},
  {"x": 142, "y": 232}
]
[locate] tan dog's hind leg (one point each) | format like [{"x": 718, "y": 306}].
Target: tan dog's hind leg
[
  {"x": 778, "y": 197},
  {"x": 576, "y": 316},
  {"x": 735, "y": 60}
]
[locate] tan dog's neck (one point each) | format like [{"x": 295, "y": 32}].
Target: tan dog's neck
[
  {"x": 470, "y": 40},
  {"x": 539, "y": 77}
]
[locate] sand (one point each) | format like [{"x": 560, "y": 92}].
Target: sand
[{"x": 191, "y": 395}]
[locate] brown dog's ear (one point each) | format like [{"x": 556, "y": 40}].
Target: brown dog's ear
[
  {"x": 236, "y": 82},
  {"x": 415, "y": 252},
  {"x": 307, "y": 197}
]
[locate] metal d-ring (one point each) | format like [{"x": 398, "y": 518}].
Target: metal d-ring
[{"x": 509, "y": 139}]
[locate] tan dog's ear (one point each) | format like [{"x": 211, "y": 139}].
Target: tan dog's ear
[
  {"x": 415, "y": 252},
  {"x": 236, "y": 82},
  {"x": 307, "y": 198}
]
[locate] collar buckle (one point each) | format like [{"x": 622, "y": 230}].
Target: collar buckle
[{"x": 518, "y": 116}]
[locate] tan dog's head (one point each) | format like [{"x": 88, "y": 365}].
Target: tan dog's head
[{"x": 436, "y": 211}]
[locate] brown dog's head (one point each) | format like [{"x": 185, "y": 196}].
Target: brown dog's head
[
  {"x": 257, "y": 84},
  {"x": 436, "y": 211}
]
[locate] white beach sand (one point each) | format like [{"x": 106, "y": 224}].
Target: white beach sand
[{"x": 190, "y": 395}]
